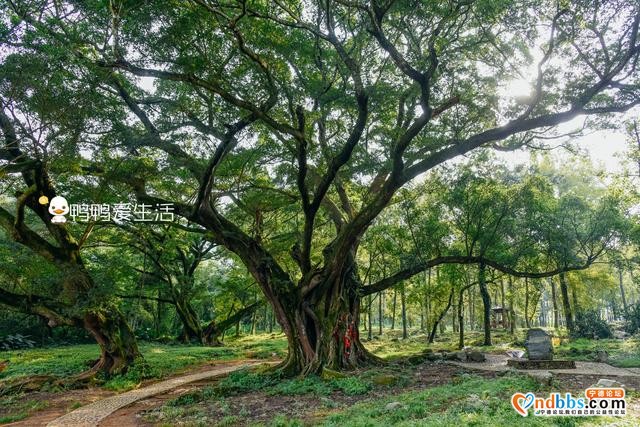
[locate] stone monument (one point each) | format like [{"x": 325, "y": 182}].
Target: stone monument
[
  {"x": 538, "y": 345},
  {"x": 540, "y": 353}
]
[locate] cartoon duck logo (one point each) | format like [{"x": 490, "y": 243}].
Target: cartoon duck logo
[{"x": 58, "y": 208}]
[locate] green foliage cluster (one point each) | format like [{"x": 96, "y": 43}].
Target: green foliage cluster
[
  {"x": 15, "y": 342},
  {"x": 589, "y": 324},
  {"x": 247, "y": 380},
  {"x": 632, "y": 319}
]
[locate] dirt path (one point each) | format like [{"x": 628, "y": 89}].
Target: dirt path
[{"x": 93, "y": 413}]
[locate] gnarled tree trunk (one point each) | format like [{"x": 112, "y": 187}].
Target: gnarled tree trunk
[
  {"x": 191, "y": 328},
  {"x": 322, "y": 326},
  {"x": 118, "y": 346}
]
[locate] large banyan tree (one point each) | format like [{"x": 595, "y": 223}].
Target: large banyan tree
[{"x": 299, "y": 121}]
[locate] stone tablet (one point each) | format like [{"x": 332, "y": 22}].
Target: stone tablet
[{"x": 538, "y": 345}]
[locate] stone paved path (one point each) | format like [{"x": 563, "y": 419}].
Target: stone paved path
[
  {"x": 93, "y": 413},
  {"x": 497, "y": 362}
]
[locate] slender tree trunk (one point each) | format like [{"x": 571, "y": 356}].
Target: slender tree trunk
[
  {"x": 369, "y": 311},
  {"x": 461, "y": 319},
  {"x": 526, "y": 303},
  {"x": 213, "y": 334},
  {"x": 554, "y": 301},
  {"x": 254, "y": 319},
  {"x": 432, "y": 335},
  {"x": 622, "y": 294},
  {"x": 512, "y": 311},
  {"x": 472, "y": 309},
  {"x": 486, "y": 304},
  {"x": 393, "y": 310},
  {"x": 403, "y": 303},
  {"x": 543, "y": 308},
  {"x": 380, "y": 312},
  {"x": 564, "y": 293},
  {"x": 272, "y": 319},
  {"x": 574, "y": 297},
  {"x": 427, "y": 301},
  {"x": 454, "y": 319}
]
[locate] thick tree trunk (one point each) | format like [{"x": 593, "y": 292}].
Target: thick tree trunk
[
  {"x": 486, "y": 304},
  {"x": 118, "y": 347},
  {"x": 191, "y": 328},
  {"x": 322, "y": 325},
  {"x": 324, "y": 336},
  {"x": 564, "y": 292}
]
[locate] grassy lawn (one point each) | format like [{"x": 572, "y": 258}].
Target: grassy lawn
[
  {"x": 362, "y": 400},
  {"x": 391, "y": 346},
  {"x": 357, "y": 400},
  {"x": 622, "y": 353},
  {"x": 19, "y": 408},
  {"x": 162, "y": 360},
  {"x": 469, "y": 402}
]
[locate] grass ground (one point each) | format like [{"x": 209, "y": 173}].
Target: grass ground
[
  {"x": 431, "y": 394},
  {"x": 356, "y": 400},
  {"x": 622, "y": 353},
  {"x": 162, "y": 359}
]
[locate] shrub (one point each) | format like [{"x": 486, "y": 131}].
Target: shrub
[
  {"x": 352, "y": 385},
  {"x": 16, "y": 342},
  {"x": 244, "y": 380},
  {"x": 588, "y": 324},
  {"x": 632, "y": 319},
  {"x": 298, "y": 386}
]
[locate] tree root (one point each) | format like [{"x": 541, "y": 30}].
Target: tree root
[{"x": 25, "y": 384}]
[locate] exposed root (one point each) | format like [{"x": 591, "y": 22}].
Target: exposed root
[{"x": 25, "y": 385}]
